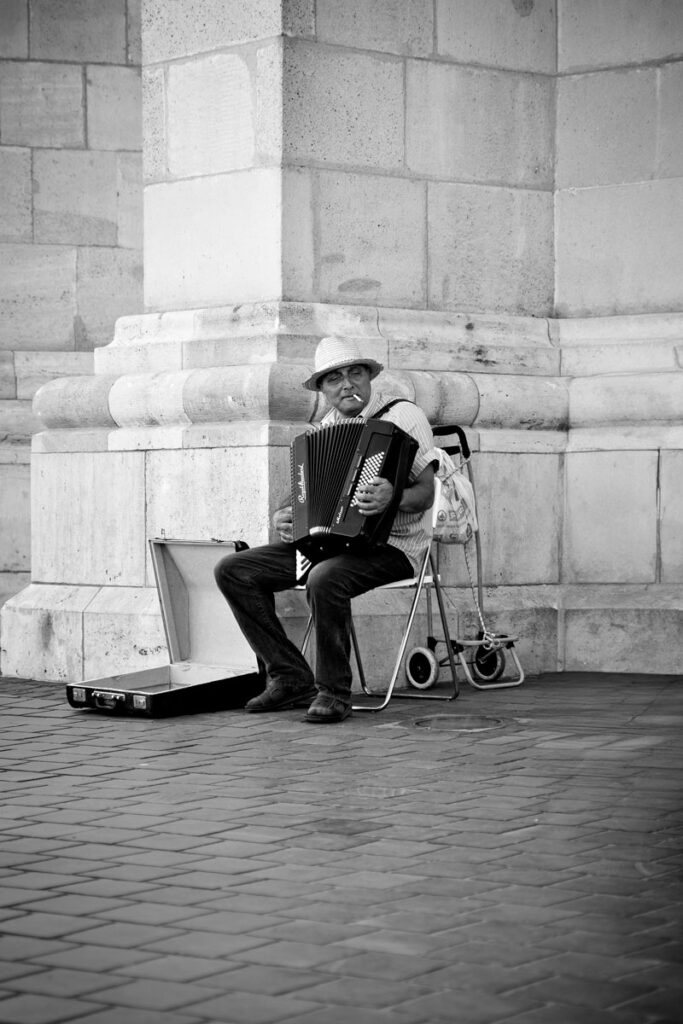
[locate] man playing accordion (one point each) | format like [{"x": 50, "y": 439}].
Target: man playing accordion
[{"x": 249, "y": 579}]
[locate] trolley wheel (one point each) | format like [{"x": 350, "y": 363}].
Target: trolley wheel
[
  {"x": 422, "y": 668},
  {"x": 488, "y": 665}
]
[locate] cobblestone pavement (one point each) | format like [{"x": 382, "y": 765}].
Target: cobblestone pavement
[{"x": 510, "y": 857}]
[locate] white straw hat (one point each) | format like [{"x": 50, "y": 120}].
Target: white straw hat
[{"x": 332, "y": 353}]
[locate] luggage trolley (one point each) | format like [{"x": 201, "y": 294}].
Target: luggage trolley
[{"x": 482, "y": 659}]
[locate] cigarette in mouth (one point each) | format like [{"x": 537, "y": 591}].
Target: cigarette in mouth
[{"x": 357, "y": 397}]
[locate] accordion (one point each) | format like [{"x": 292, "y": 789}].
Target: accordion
[{"x": 328, "y": 467}]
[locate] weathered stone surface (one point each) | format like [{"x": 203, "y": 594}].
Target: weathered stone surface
[
  {"x": 490, "y": 249},
  {"x": 624, "y": 640},
  {"x": 73, "y": 491},
  {"x": 269, "y": 113},
  {"x": 81, "y": 30},
  {"x": 670, "y": 141},
  {"x": 617, "y": 32},
  {"x": 41, "y": 104},
  {"x": 75, "y": 197},
  {"x": 109, "y": 285},
  {"x": 17, "y": 422},
  {"x": 14, "y": 29},
  {"x": 46, "y": 627},
  {"x": 129, "y": 217},
  {"x": 192, "y": 259},
  {"x": 299, "y": 253},
  {"x": 76, "y": 402},
  {"x": 37, "y": 296},
  {"x": 641, "y": 222},
  {"x": 342, "y": 107},
  {"x": 123, "y": 632},
  {"x": 371, "y": 240},
  {"x": 16, "y": 223},
  {"x": 134, "y": 33},
  {"x": 607, "y": 127},
  {"x": 211, "y": 493},
  {"x": 513, "y": 400},
  {"x": 627, "y": 398},
  {"x": 499, "y": 33},
  {"x": 15, "y": 536},
  {"x": 471, "y": 124},
  {"x": 391, "y": 26},
  {"x": 611, "y": 517},
  {"x": 171, "y": 28},
  {"x": 33, "y": 369},
  {"x": 671, "y": 534},
  {"x": 154, "y": 152},
  {"x": 210, "y": 116},
  {"x": 519, "y": 502},
  {"x": 109, "y": 90}
]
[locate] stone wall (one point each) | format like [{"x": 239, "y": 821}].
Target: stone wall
[
  {"x": 391, "y": 154},
  {"x": 70, "y": 216},
  {"x": 619, "y": 163}
]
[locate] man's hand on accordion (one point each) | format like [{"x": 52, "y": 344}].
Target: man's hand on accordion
[
  {"x": 283, "y": 523},
  {"x": 374, "y": 497}
]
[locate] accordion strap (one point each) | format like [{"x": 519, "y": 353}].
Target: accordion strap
[{"x": 389, "y": 405}]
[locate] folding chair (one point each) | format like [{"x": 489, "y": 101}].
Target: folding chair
[{"x": 417, "y": 583}]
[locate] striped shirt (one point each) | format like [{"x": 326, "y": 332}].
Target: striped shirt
[{"x": 408, "y": 532}]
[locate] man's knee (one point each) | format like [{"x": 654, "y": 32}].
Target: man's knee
[
  {"x": 227, "y": 571},
  {"x": 326, "y": 578}
]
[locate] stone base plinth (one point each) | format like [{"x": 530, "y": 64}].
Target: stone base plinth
[{"x": 184, "y": 430}]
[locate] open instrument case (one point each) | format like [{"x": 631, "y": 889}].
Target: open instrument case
[{"x": 211, "y": 665}]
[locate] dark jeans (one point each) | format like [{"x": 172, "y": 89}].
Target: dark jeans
[{"x": 249, "y": 579}]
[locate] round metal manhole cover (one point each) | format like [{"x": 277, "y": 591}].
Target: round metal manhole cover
[{"x": 459, "y": 723}]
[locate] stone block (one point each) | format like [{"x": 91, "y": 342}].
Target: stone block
[
  {"x": 629, "y": 399},
  {"x": 154, "y": 166},
  {"x": 14, "y": 29},
  {"x": 611, "y": 517},
  {"x": 15, "y": 536},
  {"x": 624, "y": 640},
  {"x": 671, "y": 534},
  {"x": 129, "y": 216},
  {"x": 79, "y": 30},
  {"x": 226, "y": 494},
  {"x": 123, "y": 632},
  {"x": 371, "y": 244},
  {"x": 33, "y": 369},
  {"x": 342, "y": 107},
  {"x": 79, "y": 498},
  {"x": 498, "y": 33},
  {"x": 114, "y": 91},
  {"x": 643, "y": 223},
  {"x": 210, "y": 115},
  {"x": 41, "y": 104},
  {"x": 75, "y": 197},
  {"x": 606, "y": 127},
  {"x": 42, "y": 632},
  {"x": 490, "y": 249},
  {"x": 172, "y": 28},
  {"x": 109, "y": 286},
  {"x": 613, "y": 33},
  {"x": 212, "y": 241},
  {"x": 17, "y": 422},
  {"x": 520, "y": 402},
  {"x": 470, "y": 124},
  {"x": 670, "y": 141},
  {"x": 519, "y": 503},
  {"x": 16, "y": 223},
  {"x": 390, "y": 26},
  {"x": 37, "y": 297}
]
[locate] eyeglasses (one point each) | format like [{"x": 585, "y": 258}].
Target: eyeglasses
[{"x": 353, "y": 373}]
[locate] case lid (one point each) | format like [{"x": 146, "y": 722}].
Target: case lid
[{"x": 198, "y": 622}]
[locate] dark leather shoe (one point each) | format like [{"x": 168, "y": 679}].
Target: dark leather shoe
[
  {"x": 278, "y": 697},
  {"x": 326, "y": 709}
]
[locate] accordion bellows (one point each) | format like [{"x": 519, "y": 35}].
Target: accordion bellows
[{"x": 328, "y": 466}]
